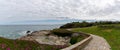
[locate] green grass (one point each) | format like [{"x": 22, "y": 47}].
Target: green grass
[
  {"x": 16, "y": 44},
  {"x": 9, "y": 44},
  {"x": 112, "y": 35}
]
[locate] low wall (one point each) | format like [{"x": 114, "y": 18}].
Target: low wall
[{"x": 80, "y": 44}]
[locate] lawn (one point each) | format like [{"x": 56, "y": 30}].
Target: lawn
[{"x": 111, "y": 34}]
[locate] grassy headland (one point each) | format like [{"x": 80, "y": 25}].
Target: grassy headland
[
  {"x": 10, "y": 44},
  {"x": 110, "y": 32}
]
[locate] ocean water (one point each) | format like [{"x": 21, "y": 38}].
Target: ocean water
[{"x": 16, "y": 31}]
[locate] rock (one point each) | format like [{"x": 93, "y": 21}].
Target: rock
[
  {"x": 40, "y": 33},
  {"x": 45, "y": 37},
  {"x": 28, "y": 31},
  {"x": 75, "y": 34}
]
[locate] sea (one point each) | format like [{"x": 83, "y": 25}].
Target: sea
[{"x": 17, "y": 31}]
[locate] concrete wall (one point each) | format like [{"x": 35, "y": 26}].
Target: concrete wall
[{"x": 80, "y": 44}]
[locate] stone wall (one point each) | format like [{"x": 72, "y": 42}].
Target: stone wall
[{"x": 80, "y": 44}]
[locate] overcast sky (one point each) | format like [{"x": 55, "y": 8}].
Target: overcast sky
[{"x": 15, "y": 11}]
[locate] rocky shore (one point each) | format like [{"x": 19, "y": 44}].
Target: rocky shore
[{"x": 46, "y": 37}]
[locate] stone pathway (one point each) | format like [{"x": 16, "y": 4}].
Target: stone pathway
[{"x": 97, "y": 43}]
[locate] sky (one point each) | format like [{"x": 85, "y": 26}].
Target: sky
[{"x": 57, "y": 11}]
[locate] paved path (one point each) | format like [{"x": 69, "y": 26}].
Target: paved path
[{"x": 97, "y": 43}]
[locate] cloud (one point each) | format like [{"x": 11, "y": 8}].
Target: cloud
[{"x": 23, "y": 10}]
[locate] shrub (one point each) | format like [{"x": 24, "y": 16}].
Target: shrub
[
  {"x": 73, "y": 40},
  {"x": 106, "y": 26},
  {"x": 76, "y": 39},
  {"x": 62, "y": 32},
  {"x": 76, "y": 25},
  {"x": 87, "y": 24}
]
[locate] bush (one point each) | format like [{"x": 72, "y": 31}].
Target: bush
[
  {"x": 76, "y": 39},
  {"x": 87, "y": 24},
  {"x": 62, "y": 32},
  {"x": 73, "y": 40},
  {"x": 106, "y": 26},
  {"x": 76, "y": 25}
]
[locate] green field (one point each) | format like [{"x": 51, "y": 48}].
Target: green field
[{"x": 110, "y": 33}]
